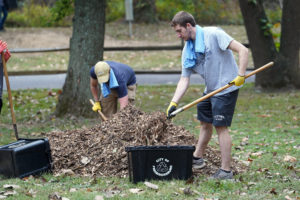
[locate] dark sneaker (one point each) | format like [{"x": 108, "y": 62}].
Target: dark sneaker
[
  {"x": 220, "y": 174},
  {"x": 198, "y": 163}
]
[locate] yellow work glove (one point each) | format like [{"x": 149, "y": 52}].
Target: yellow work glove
[
  {"x": 172, "y": 107},
  {"x": 96, "y": 106},
  {"x": 238, "y": 81}
]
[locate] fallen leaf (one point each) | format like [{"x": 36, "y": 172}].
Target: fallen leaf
[
  {"x": 31, "y": 193},
  {"x": 111, "y": 193},
  {"x": 239, "y": 148},
  {"x": 295, "y": 118},
  {"x": 9, "y": 193},
  {"x": 297, "y": 147},
  {"x": 68, "y": 172},
  {"x": 279, "y": 126},
  {"x": 258, "y": 154},
  {"x": 190, "y": 181},
  {"x": 289, "y": 158},
  {"x": 247, "y": 163},
  {"x": 135, "y": 190},
  {"x": 187, "y": 191},
  {"x": 73, "y": 190},
  {"x": 290, "y": 167},
  {"x": 251, "y": 183},
  {"x": 263, "y": 169},
  {"x": 265, "y": 115},
  {"x": 10, "y": 187},
  {"x": 289, "y": 191},
  {"x": 84, "y": 160},
  {"x": 99, "y": 197},
  {"x": 273, "y": 191},
  {"x": 151, "y": 185},
  {"x": 54, "y": 196},
  {"x": 287, "y": 197}
]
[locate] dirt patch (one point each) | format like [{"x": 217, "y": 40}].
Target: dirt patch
[
  {"x": 100, "y": 151},
  {"x": 36, "y": 37},
  {"x": 116, "y": 34}
]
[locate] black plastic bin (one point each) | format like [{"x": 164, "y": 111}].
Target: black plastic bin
[
  {"x": 25, "y": 157},
  {"x": 159, "y": 162}
]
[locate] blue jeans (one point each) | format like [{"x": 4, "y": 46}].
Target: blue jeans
[{"x": 2, "y": 18}]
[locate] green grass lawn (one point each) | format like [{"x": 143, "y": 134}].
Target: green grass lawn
[{"x": 265, "y": 130}]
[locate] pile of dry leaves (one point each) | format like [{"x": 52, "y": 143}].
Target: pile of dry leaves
[{"x": 100, "y": 151}]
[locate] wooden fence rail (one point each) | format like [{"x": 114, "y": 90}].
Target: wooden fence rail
[{"x": 128, "y": 48}]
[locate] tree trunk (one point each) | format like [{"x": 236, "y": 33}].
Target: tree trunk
[
  {"x": 290, "y": 39},
  {"x": 86, "y": 48},
  {"x": 263, "y": 47},
  {"x": 261, "y": 42},
  {"x": 145, "y": 11}
]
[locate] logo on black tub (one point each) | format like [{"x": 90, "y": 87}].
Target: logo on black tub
[{"x": 162, "y": 167}]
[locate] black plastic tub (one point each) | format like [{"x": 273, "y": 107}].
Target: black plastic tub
[
  {"x": 25, "y": 157},
  {"x": 159, "y": 162}
]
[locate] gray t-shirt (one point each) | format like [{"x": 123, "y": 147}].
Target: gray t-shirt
[{"x": 217, "y": 65}]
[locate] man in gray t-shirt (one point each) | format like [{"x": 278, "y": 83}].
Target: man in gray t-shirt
[{"x": 208, "y": 52}]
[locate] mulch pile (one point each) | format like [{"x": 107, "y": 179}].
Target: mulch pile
[{"x": 100, "y": 151}]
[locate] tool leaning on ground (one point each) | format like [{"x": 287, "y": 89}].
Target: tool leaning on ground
[
  {"x": 217, "y": 91},
  {"x": 99, "y": 111},
  {"x": 4, "y": 53}
]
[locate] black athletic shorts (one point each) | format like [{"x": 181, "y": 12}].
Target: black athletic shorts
[{"x": 218, "y": 110}]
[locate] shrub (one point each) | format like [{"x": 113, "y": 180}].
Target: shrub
[
  {"x": 31, "y": 15},
  {"x": 204, "y": 11}
]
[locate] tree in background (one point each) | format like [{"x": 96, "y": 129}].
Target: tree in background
[
  {"x": 145, "y": 11},
  {"x": 286, "y": 71},
  {"x": 86, "y": 48}
]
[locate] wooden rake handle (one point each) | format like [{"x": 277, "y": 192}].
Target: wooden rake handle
[
  {"x": 9, "y": 95},
  {"x": 100, "y": 113},
  {"x": 218, "y": 90}
]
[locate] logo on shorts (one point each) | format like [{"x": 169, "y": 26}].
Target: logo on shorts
[
  {"x": 219, "y": 117},
  {"x": 162, "y": 167}
]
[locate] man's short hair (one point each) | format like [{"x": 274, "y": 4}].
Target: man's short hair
[{"x": 182, "y": 18}]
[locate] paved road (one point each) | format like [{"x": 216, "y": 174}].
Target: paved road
[{"x": 56, "y": 81}]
